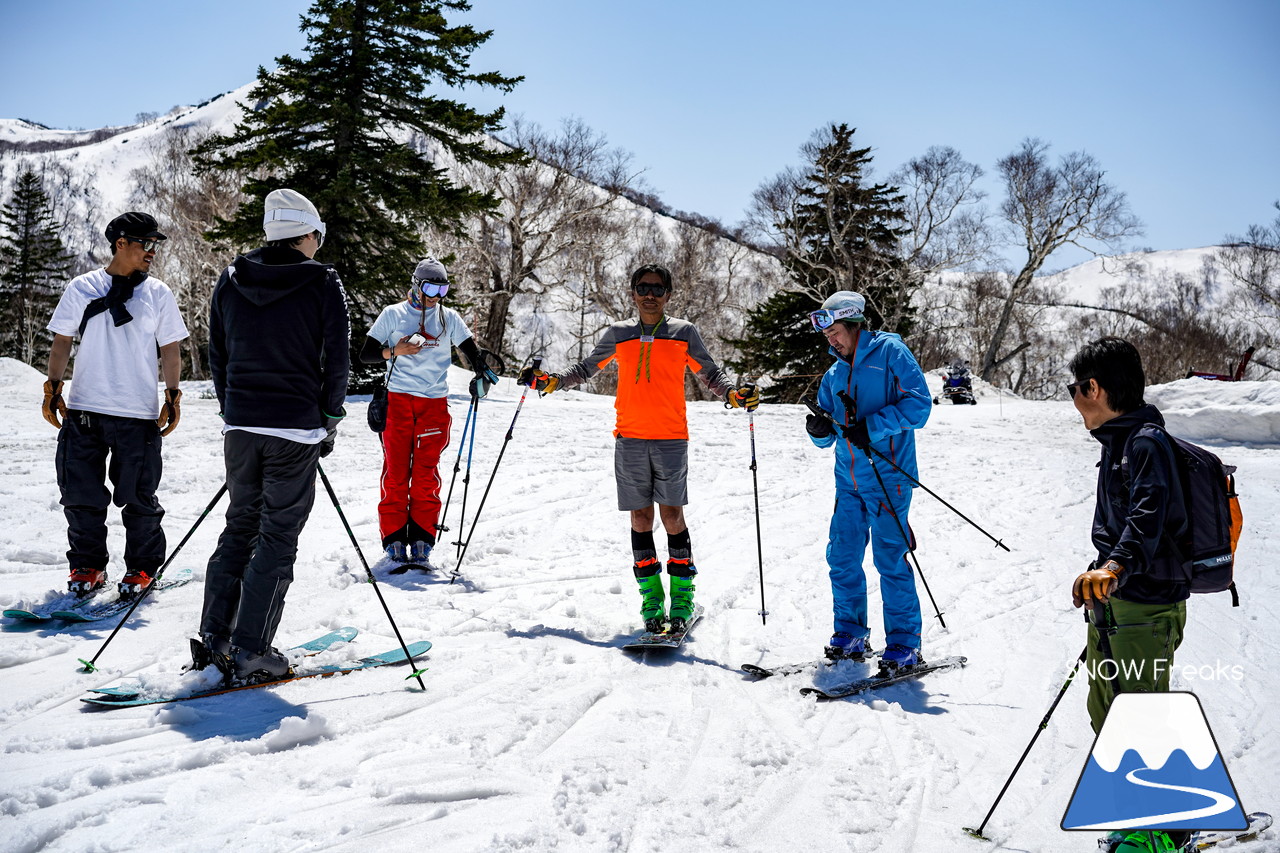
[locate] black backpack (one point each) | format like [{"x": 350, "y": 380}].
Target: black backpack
[{"x": 1213, "y": 514}]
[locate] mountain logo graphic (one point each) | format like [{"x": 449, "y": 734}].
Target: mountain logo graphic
[{"x": 1155, "y": 765}]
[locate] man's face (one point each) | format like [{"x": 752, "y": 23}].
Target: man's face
[
  {"x": 650, "y": 303},
  {"x": 131, "y": 254},
  {"x": 841, "y": 337}
]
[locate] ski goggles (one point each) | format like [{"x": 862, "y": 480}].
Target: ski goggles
[
  {"x": 431, "y": 289},
  {"x": 823, "y": 318}
]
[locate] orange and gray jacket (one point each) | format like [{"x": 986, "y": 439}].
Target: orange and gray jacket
[{"x": 650, "y": 399}]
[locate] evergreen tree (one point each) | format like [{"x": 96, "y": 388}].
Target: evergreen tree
[
  {"x": 33, "y": 263},
  {"x": 836, "y": 230},
  {"x": 351, "y": 125}
]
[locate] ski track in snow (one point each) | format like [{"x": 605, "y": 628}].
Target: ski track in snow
[{"x": 536, "y": 732}]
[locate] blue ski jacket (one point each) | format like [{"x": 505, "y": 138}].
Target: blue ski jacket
[{"x": 889, "y": 390}]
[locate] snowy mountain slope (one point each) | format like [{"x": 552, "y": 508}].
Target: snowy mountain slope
[{"x": 536, "y": 732}]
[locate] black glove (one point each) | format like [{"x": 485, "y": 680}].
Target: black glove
[
  {"x": 818, "y": 427},
  {"x": 326, "y": 443},
  {"x": 856, "y": 432}
]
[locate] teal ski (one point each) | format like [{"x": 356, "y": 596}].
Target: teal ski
[{"x": 69, "y": 608}]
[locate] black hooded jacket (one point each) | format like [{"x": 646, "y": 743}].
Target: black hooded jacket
[
  {"x": 278, "y": 341},
  {"x": 1136, "y": 505}
]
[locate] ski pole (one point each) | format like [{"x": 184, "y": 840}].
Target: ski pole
[
  {"x": 457, "y": 569},
  {"x": 466, "y": 484},
  {"x": 457, "y": 465},
  {"x": 1105, "y": 628},
  {"x": 813, "y": 407},
  {"x": 89, "y": 664},
  {"x": 417, "y": 673},
  {"x": 977, "y": 833},
  {"x": 755, "y": 490},
  {"x": 851, "y": 405}
]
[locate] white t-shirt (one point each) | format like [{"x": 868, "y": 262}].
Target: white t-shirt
[
  {"x": 116, "y": 367},
  {"x": 424, "y": 374}
]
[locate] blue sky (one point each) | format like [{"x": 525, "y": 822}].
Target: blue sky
[{"x": 1179, "y": 101}]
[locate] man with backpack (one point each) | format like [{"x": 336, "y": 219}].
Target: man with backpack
[{"x": 1138, "y": 584}]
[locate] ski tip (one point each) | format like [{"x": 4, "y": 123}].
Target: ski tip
[{"x": 88, "y": 666}]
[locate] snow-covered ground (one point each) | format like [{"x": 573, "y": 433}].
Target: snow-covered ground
[{"x": 537, "y": 733}]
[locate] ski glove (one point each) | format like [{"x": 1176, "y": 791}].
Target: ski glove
[
  {"x": 326, "y": 443},
  {"x": 53, "y": 408},
  {"x": 483, "y": 381},
  {"x": 818, "y": 427},
  {"x": 170, "y": 411},
  {"x": 857, "y": 434},
  {"x": 1096, "y": 584},
  {"x": 539, "y": 381},
  {"x": 746, "y": 396}
]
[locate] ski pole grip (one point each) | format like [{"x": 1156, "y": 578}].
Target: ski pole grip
[
  {"x": 813, "y": 407},
  {"x": 537, "y": 362}
]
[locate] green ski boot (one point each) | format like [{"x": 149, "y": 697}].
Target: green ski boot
[
  {"x": 653, "y": 599},
  {"x": 682, "y": 574},
  {"x": 1143, "y": 841}
]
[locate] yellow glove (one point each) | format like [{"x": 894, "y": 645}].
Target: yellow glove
[
  {"x": 744, "y": 397},
  {"x": 170, "y": 411},
  {"x": 1096, "y": 584},
  {"x": 539, "y": 380},
  {"x": 53, "y": 408}
]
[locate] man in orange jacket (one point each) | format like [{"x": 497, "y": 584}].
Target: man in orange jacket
[{"x": 651, "y": 453}]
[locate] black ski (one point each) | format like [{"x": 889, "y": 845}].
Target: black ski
[
  {"x": 762, "y": 672},
  {"x": 666, "y": 639},
  {"x": 884, "y": 679},
  {"x": 1259, "y": 822}
]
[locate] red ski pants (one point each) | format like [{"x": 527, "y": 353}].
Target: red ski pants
[{"x": 416, "y": 434}]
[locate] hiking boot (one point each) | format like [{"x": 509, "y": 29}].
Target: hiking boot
[
  {"x": 682, "y": 574},
  {"x": 210, "y": 650},
  {"x": 653, "y": 598},
  {"x": 135, "y": 581},
  {"x": 1139, "y": 841},
  {"x": 86, "y": 581},
  {"x": 251, "y": 667},
  {"x": 396, "y": 551},
  {"x": 420, "y": 553},
  {"x": 898, "y": 656},
  {"x": 845, "y": 646}
]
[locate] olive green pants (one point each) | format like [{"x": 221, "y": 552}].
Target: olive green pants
[{"x": 1142, "y": 647}]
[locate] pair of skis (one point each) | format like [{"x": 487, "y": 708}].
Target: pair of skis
[
  {"x": 665, "y": 639},
  {"x": 92, "y": 608},
  {"x": 134, "y": 695},
  {"x": 883, "y": 678}
]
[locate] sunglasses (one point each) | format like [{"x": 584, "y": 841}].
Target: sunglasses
[
  {"x": 431, "y": 289},
  {"x": 823, "y": 318},
  {"x": 148, "y": 244},
  {"x": 1078, "y": 386},
  {"x": 650, "y": 289}
]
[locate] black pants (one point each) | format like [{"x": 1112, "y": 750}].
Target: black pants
[
  {"x": 272, "y": 486},
  {"x": 85, "y": 442}
]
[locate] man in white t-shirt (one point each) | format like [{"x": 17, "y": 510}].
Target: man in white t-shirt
[
  {"x": 121, "y": 316},
  {"x": 417, "y": 337}
]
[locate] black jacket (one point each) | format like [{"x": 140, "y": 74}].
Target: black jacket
[
  {"x": 278, "y": 341},
  {"x": 1138, "y": 502}
]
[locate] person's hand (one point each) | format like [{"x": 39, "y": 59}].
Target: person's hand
[
  {"x": 746, "y": 396},
  {"x": 53, "y": 409},
  {"x": 817, "y": 426},
  {"x": 857, "y": 434},
  {"x": 483, "y": 381},
  {"x": 326, "y": 443},
  {"x": 409, "y": 345},
  {"x": 1096, "y": 584},
  {"x": 170, "y": 411},
  {"x": 544, "y": 383}
]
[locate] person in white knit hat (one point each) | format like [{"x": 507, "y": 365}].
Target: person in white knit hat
[{"x": 278, "y": 350}]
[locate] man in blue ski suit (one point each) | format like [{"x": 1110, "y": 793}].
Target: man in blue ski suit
[{"x": 877, "y": 397}]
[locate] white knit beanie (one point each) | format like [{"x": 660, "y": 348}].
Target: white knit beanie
[{"x": 289, "y": 213}]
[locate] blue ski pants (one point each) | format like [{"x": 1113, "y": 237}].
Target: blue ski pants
[{"x": 860, "y": 517}]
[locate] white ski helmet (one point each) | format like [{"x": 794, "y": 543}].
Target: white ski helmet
[{"x": 843, "y": 305}]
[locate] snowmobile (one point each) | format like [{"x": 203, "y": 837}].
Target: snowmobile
[{"x": 957, "y": 385}]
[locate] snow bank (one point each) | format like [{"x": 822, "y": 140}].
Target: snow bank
[{"x": 1208, "y": 411}]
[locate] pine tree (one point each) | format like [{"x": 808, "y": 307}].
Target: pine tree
[
  {"x": 33, "y": 262},
  {"x": 352, "y": 126},
  {"x": 837, "y": 231}
]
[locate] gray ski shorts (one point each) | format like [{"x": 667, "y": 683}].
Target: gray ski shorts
[{"x": 651, "y": 470}]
